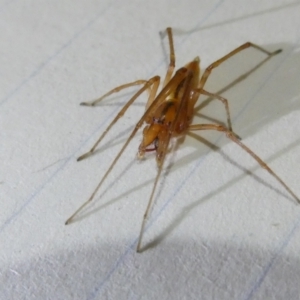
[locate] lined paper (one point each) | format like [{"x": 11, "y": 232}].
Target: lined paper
[{"x": 221, "y": 227}]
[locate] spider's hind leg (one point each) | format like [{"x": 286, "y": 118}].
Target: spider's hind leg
[{"x": 231, "y": 136}]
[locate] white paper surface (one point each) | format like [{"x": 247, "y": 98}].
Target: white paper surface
[{"x": 221, "y": 227}]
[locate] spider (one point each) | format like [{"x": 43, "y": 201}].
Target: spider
[{"x": 169, "y": 114}]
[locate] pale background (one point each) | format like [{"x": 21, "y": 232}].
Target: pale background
[{"x": 221, "y": 228}]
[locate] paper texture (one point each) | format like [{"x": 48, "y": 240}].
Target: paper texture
[{"x": 221, "y": 226}]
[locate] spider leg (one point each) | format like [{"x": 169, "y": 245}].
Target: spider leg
[
  {"x": 223, "y": 100},
  {"x": 153, "y": 82},
  {"x": 163, "y": 147},
  {"x": 151, "y": 198},
  {"x": 171, "y": 63},
  {"x": 114, "y": 90},
  {"x": 172, "y": 56},
  {"x": 215, "y": 64},
  {"x": 178, "y": 77},
  {"x": 232, "y": 136}
]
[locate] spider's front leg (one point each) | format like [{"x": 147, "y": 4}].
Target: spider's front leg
[
  {"x": 215, "y": 64},
  {"x": 225, "y": 102}
]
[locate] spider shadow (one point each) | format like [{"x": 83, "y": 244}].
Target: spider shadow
[
  {"x": 94, "y": 207},
  {"x": 112, "y": 142},
  {"x": 245, "y": 172},
  {"x": 178, "y": 31},
  {"x": 252, "y": 109},
  {"x": 90, "y": 210},
  {"x": 272, "y": 110}
]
